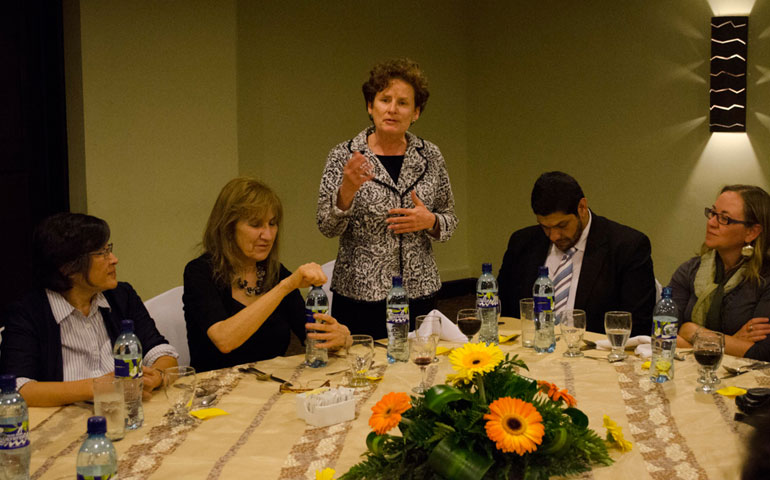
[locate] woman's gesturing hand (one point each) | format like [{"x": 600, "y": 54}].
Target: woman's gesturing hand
[
  {"x": 411, "y": 219},
  {"x": 357, "y": 171},
  {"x": 331, "y": 332}
]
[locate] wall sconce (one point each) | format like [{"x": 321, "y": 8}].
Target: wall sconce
[{"x": 729, "y": 42}]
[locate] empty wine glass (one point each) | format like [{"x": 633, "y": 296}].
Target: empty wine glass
[
  {"x": 468, "y": 322},
  {"x": 708, "y": 348},
  {"x": 573, "y": 326},
  {"x": 422, "y": 350},
  {"x": 179, "y": 387},
  {"x": 617, "y": 325},
  {"x": 360, "y": 355},
  {"x": 429, "y": 325}
]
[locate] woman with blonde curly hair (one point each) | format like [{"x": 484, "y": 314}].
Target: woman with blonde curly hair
[
  {"x": 727, "y": 287},
  {"x": 240, "y": 302}
]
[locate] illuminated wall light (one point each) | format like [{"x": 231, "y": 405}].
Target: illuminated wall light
[{"x": 729, "y": 44}]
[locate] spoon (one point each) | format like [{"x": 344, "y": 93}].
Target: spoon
[
  {"x": 745, "y": 368},
  {"x": 206, "y": 400},
  {"x": 262, "y": 376}
]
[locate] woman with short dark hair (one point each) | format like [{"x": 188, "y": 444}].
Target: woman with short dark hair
[
  {"x": 240, "y": 303},
  {"x": 727, "y": 287},
  {"x": 386, "y": 194},
  {"x": 59, "y": 337}
]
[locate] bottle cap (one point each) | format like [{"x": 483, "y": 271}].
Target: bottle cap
[
  {"x": 8, "y": 383},
  {"x": 397, "y": 281},
  {"x": 97, "y": 425},
  {"x": 542, "y": 271},
  {"x": 486, "y": 268},
  {"x": 666, "y": 292},
  {"x": 127, "y": 326}
]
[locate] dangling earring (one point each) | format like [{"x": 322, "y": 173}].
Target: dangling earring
[{"x": 747, "y": 251}]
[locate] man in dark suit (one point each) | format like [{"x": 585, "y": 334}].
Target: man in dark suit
[{"x": 611, "y": 267}]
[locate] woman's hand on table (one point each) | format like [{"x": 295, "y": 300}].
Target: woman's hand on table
[
  {"x": 333, "y": 333},
  {"x": 755, "y": 330},
  {"x": 407, "y": 220},
  {"x": 357, "y": 171}
]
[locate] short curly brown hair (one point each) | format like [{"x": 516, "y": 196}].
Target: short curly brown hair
[{"x": 401, "y": 68}]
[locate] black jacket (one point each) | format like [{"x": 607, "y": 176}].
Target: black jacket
[{"x": 616, "y": 273}]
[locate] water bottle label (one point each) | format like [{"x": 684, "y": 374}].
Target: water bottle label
[
  {"x": 664, "y": 328},
  {"x": 543, "y": 304},
  {"x": 128, "y": 368},
  {"x": 486, "y": 299},
  {"x": 398, "y": 314},
  {"x": 106, "y": 476},
  {"x": 310, "y": 311},
  {"x": 15, "y": 435}
]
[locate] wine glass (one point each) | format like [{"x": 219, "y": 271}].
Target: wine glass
[
  {"x": 422, "y": 349},
  {"x": 179, "y": 386},
  {"x": 617, "y": 325},
  {"x": 573, "y": 326},
  {"x": 429, "y": 325},
  {"x": 468, "y": 322},
  {"x": 708, "y": 347},
  {"x": 360, "y": 355}
]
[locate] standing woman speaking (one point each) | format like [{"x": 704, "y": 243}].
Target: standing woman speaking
[{"x": 386, "y": 194}]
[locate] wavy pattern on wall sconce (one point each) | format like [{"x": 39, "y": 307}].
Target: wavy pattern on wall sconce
[{"x": 729, "y": 45}]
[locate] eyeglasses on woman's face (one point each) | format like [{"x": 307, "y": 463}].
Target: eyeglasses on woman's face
[
  {"x": 104, "y": 252},
  {"x": 723, "y": 219}
]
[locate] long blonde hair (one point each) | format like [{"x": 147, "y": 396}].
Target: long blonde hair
[
  {"x": 242, "y": 198},
  {"x": 756, "y": 211}
]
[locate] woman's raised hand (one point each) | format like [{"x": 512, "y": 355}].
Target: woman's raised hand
[
  {"x": 357, "y": 171},
  {"x": 307, "y": 275}
]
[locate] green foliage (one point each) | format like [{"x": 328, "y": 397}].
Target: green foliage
[{"x": 568, "y": 447}]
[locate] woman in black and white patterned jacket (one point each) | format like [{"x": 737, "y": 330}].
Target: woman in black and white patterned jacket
[{"x": 386, "y": 193}]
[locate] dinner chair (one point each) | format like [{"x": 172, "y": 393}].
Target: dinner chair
[
  {"x": 167, "y": 311},
  {"x": 328, "y": 269}
]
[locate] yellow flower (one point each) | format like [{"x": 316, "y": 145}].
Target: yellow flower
[
  {"x": 386, "y": 413},
  {"x": 325, "y": 474},
  {"x": 615, "y": 435},
  {"x": 474, "y": 358},
  {"x": 514, "y": 425}
]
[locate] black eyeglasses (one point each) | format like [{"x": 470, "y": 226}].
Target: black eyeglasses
[
  {"x": 104, "y": 252},
  {"x": 723, "y": 219}
]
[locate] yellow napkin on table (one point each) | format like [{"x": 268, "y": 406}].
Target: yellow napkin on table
[
  {"x": 731, "y": 391},
  {"x": 507, "y": 338},
  {"x": 206, "y": 413}
]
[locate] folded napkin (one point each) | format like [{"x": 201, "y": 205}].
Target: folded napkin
[
  {"x": 206, "y": 413},
  {"x": 449, "y": 331},
  {"x": 641, "y": 342}
]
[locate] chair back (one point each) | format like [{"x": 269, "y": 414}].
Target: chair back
[{"x": 167, "y": 311}]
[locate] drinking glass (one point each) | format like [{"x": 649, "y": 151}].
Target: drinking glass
[
  {"x": 110, "y": 403},
  {"x": 573, "y": 326},
  {"x": 617, "y": 325},
  {"x": 708, "y": 347},
  {"x": 429, "y": 325},
  {"x": 360, "y": 356},
  {"x": 468, "y": 322},
  {"x": 422, "y": 350},
  {"x": 527, "y": 314},
  {"x": 179, "y": 386}
]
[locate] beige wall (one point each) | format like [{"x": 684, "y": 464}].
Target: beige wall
[{"x": 180, "y": 96}]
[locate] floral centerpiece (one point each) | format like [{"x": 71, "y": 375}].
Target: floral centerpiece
[{"x": 486, "y": 422}]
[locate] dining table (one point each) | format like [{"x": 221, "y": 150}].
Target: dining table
[{"x": 676, "y": 432}]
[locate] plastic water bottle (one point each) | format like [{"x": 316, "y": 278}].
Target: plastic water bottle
[
  {"x": 398, "y": 322},
  {"x": 128, "y": 365},
  {"x": 542, "y": 292},
  {"x": 664, "y": 330},
  {"x": 487, "y": 305},
  {"x": 14, "y": 438},
  {"x": 316, "y": 302},
  {"x": 97, "y": 458}
]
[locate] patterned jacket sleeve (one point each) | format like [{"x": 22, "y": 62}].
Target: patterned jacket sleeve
[
  {"x": 444, "y": 207},
  {"x": 331, "y": 220}
]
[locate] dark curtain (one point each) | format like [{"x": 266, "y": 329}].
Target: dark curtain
[{"x": 33, "y": 143}]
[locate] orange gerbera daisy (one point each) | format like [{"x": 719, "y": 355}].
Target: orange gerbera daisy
[
  {"x": 555, "y": 394},
  {"x": 514, "y": 425},
  {"x": 386, "y": 413}
]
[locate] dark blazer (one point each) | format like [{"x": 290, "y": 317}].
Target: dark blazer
[
  {"x": 616, "y": 273},
  {"x": 31, "y": 345}
]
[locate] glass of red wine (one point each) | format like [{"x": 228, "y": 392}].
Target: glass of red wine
[
  {"x": 708, "y": 348},
  {"x": 468, "y": 322},
  {"x": 422, "y": 349}
]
